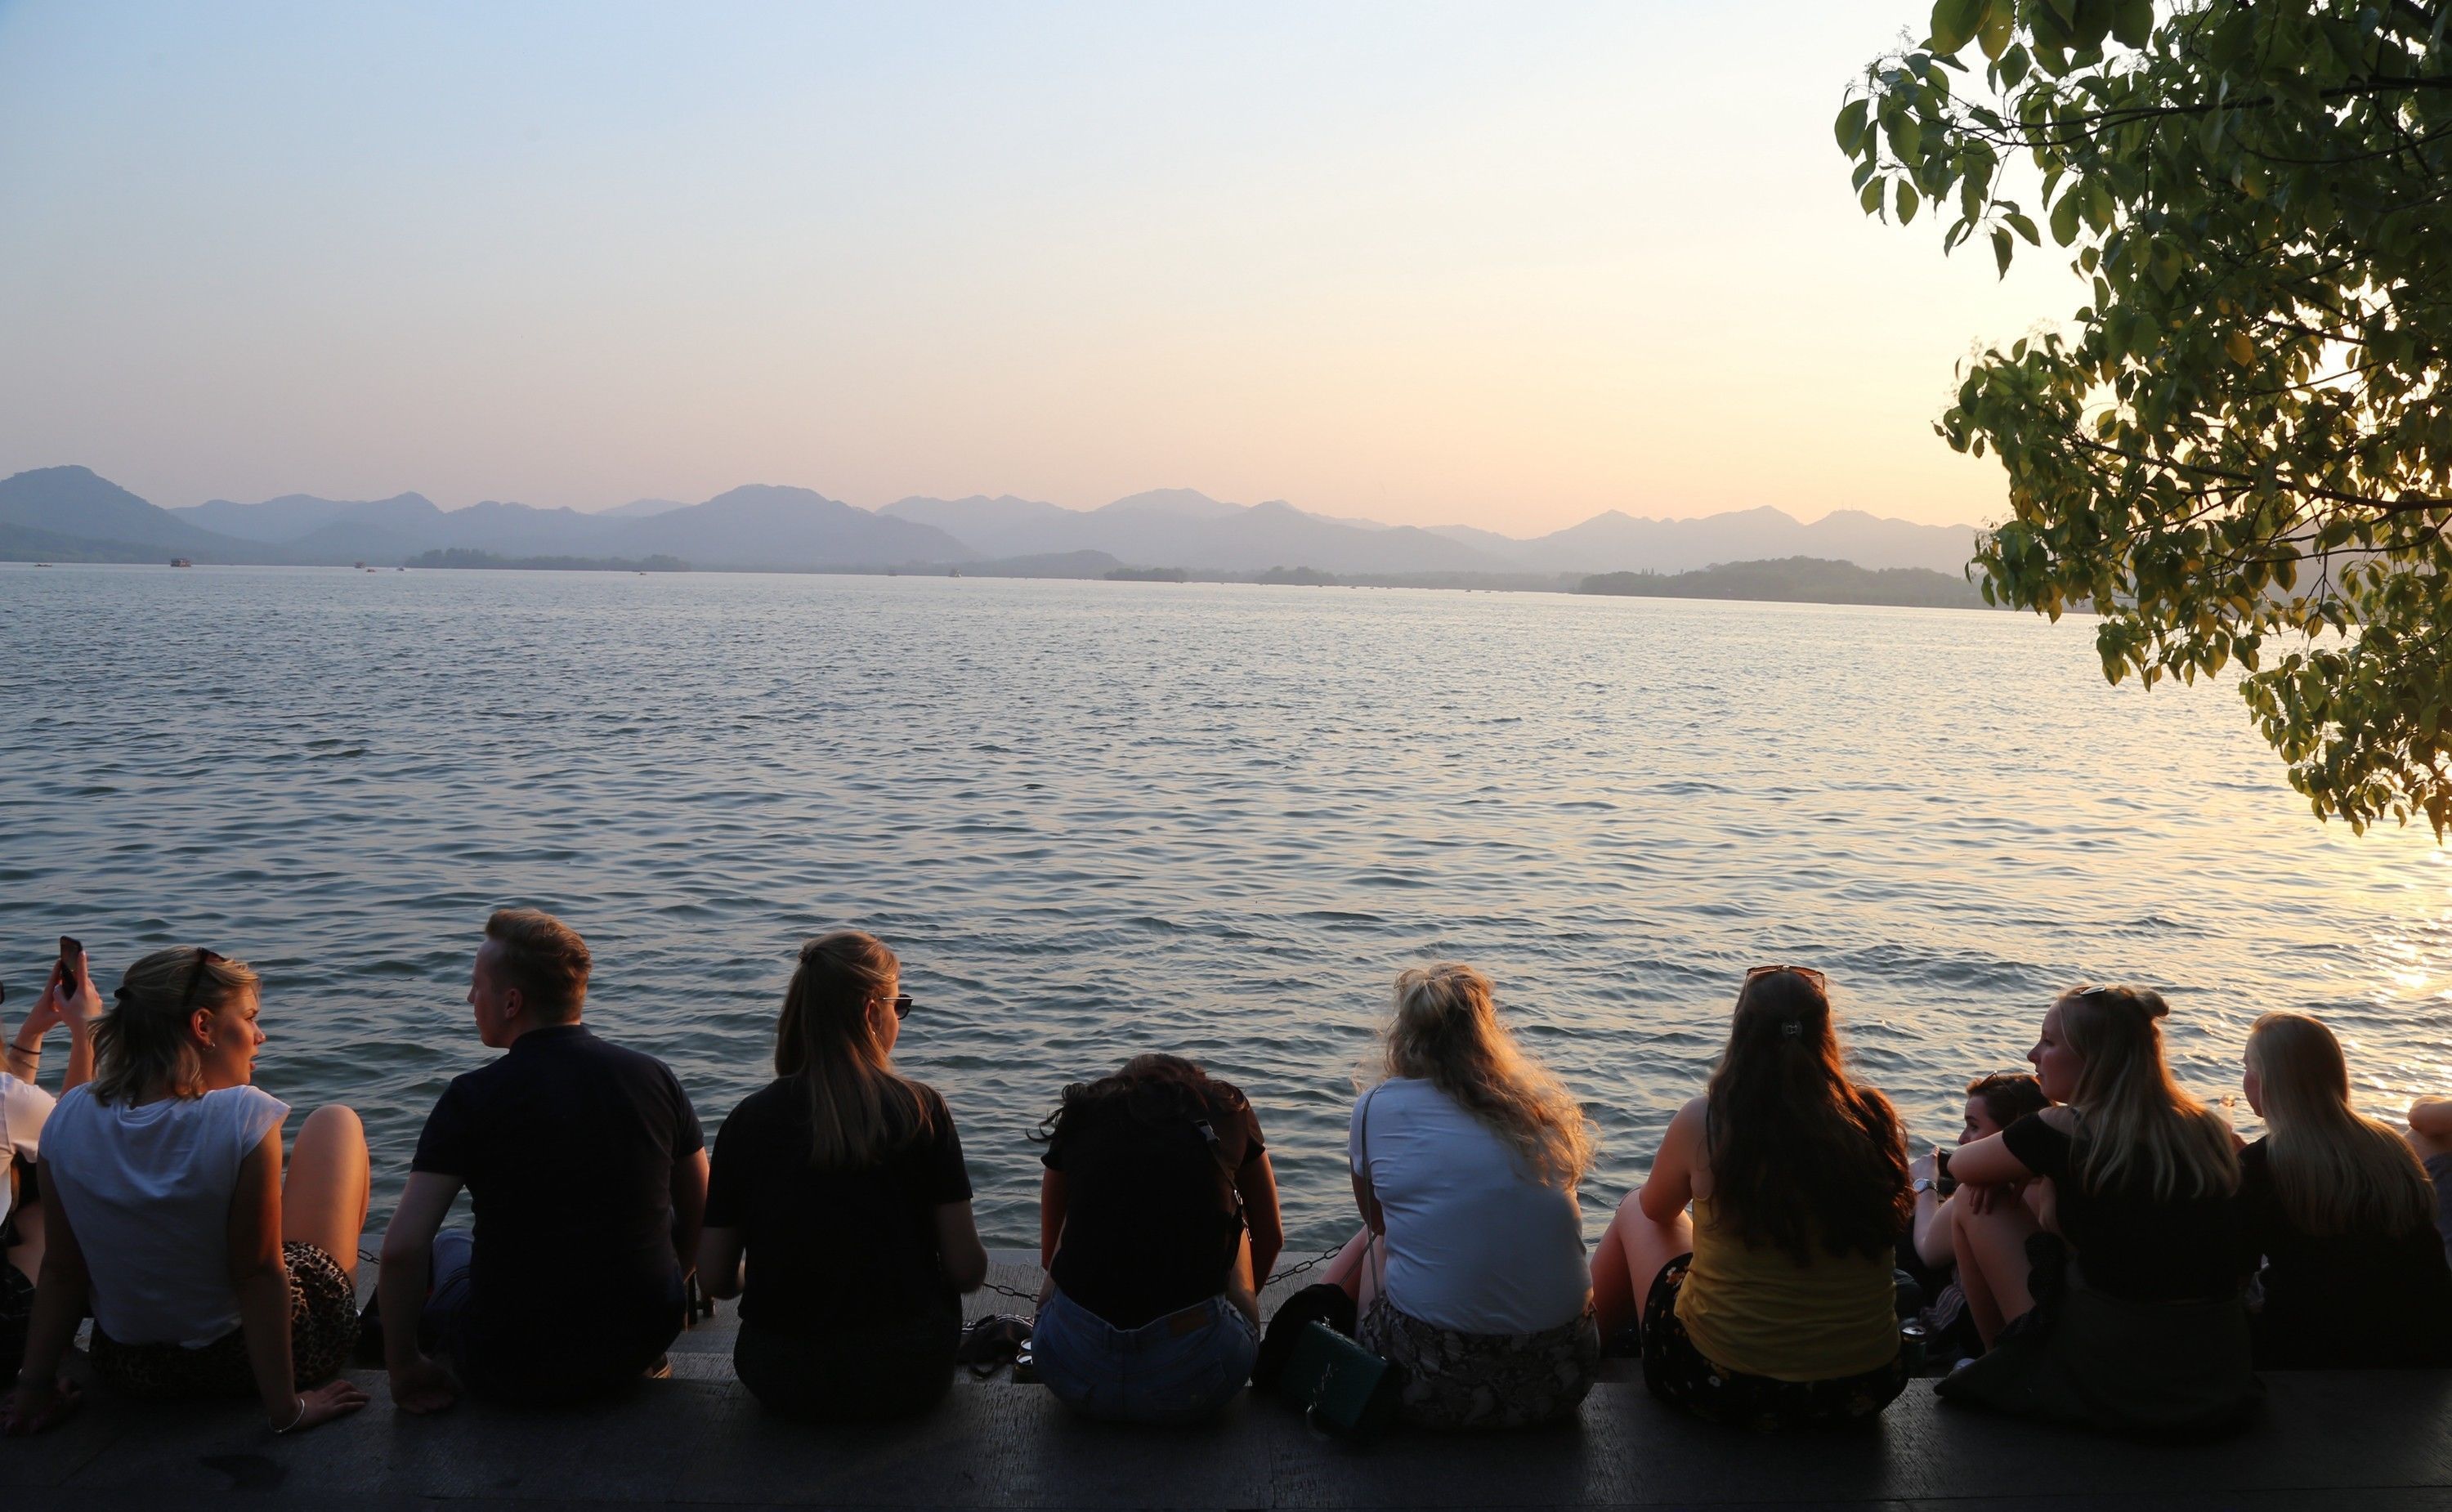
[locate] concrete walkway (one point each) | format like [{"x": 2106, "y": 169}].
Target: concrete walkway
[{"x": 2366, "y": 1440}]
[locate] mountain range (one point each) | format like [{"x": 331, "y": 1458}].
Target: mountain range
[{"x": 71, "y": 514}]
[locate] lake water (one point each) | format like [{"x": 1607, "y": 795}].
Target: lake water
[{"x": 1096, "y": 818}]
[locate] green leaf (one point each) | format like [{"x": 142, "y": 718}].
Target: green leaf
[
  {"x": 1850, "y": 125},
  {"x": 2132, "y": 22},
  {"x": 2001, "y": 247},
  {"x": 2000, "y": 25},
  {"x": 2064, "y": 216},
  {"x": 1872, "y": 197},
  {"x": 1908, "y": 201},
  {"x": 2025, "y": 227},
  {"x": 1954, "y": 23}
]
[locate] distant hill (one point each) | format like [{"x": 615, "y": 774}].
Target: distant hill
[
  {"x": 1797, "y": 580},
  {"x": 78, "y": 516},
  {"x": 457, "y": 558}
]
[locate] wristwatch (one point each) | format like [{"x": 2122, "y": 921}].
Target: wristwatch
[{"x": 1923, "y": 1184}]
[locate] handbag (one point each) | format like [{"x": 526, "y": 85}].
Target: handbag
[{"x": 1343, "y": 1388}]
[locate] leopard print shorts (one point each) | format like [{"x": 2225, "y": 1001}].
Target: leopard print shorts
[{"x": 323, "y": 1330}]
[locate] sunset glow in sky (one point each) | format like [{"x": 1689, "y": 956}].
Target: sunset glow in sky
[{"x": 1504, "y": 266}]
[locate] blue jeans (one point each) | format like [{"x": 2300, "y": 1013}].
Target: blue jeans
[{"x": 1181, "y": 1368}]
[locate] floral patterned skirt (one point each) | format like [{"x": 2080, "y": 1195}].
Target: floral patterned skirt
[
  {"x": 1676, "y": 1371},
  {"x": 1484, "y": 1380},
  {"x": 323, "y": 1331}
]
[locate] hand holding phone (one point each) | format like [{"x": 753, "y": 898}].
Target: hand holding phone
[{"x": 1943, "y": 1182}]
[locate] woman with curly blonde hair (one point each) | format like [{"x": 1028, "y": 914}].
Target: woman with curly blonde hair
[{"x": 1466, "y": 1157}]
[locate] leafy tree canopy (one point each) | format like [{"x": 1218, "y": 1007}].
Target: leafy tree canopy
[{"x": 2241, "y": 449}]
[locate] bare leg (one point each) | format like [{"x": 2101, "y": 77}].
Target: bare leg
[
  {"x": 324, "y": 1197},
  {"x": 1358, "y": 1267},
  {"x": 1631, "y": 1257},
  {"x": 1239, "y": 1290},
  {"x": 1991, "y": 1250},
  {"x": 2425, "y": 1145}
]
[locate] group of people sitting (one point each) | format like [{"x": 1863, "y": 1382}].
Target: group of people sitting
[{"x": 2118, "y": 1257}]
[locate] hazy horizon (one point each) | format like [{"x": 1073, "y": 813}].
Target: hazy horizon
[{"x": 1432, "y": 267}]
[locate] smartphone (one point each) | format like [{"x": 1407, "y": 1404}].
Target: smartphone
[
  {"x": 1943, "y": 1182},
  {"x": 70, "y": 951}
]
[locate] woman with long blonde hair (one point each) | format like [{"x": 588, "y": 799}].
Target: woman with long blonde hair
[
  {"x": 1466, "y": 1157},
  {"x": 206, "y": 1272},
  {"x": 2130, "y": 1312},
  {"x": 2342, "y": 1214},
  {"x": 837, "y": 1206}
]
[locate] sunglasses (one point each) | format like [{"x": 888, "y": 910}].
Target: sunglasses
[
  {"x": 1820, "y": 981},
  {"x": 901, "y": 1005},
  {"x": 196, "y": 975}
]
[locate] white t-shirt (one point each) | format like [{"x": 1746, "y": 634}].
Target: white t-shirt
[
  {"x": 23, "y": 1108},
  {"x": 1474, "y": 1244},
  {"x": 148, "y": 1189}
]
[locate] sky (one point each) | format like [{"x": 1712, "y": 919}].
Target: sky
[{"x": 1497, "y": 266}]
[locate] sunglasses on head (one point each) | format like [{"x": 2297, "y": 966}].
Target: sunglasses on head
[
  {"x": 1819, "y": 981},
  {"x": 196, "y": 975}
]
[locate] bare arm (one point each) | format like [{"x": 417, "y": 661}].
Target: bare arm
[
  {"x": 689, "y": 1206},
  {"x": 958, "y": 1249},
  {"x": 719, "y": 1263},
  {"x": 1051, "y": 1215},
  {"x": 1367, "y": 1199},
  {"x": 261, "y": 1281},
  {"x": 1257, "y": 1183},
  {"x": 1988, "y": 1163},
  {"x": 2432, "y": 1116},
  {"x": 418, "y": 1384},
  {"x": 1670, "y": 1186}
]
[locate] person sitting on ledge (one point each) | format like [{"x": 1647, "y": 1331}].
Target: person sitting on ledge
[
  {"x": 588, "y": 1174},
  {"x": 206, "y": 1274},
  {"x": 840, "y": 1210},
  {"x": 2430, "y": 1139},
  {"x": 2342, "y": 1214},
  {"x": 67, "y": 998},
  {"x": 1928, "y": 1251},
  {"x": 1469, "y": 1271},
  {"x": 2112, "y": 1296},
  {"x": 1157, "y": 1208},
  {"x": 1772, "y": 1306}
]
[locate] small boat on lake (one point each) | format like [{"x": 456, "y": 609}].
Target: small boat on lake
[{"x": 180, "y": 562}]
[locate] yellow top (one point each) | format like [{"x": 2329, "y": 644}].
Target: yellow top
[{"x": 1758, "y": 1312}]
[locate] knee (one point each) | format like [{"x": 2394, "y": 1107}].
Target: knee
[{"x": 338, "y": 1122}]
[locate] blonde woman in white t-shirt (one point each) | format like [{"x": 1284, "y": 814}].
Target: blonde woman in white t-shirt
[
  {"x": 206, "y": 1273},
  {"x": 1469, "y": 1271}
]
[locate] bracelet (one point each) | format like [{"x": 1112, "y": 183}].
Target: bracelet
[
  {"x": 294, "y": 1422},
  {"x": 34, "y": 1051}
]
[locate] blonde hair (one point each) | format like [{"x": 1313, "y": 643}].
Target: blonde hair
[
  {"x": 2136, "y": 1125},
  {"x": 141, "y": 1044},
  {"x": 859, "y": 1110},
  {"x": 1444, "y": 1030},
  {"x": 2334, "y": 1172},
  {"x": 545, "y": 958}
]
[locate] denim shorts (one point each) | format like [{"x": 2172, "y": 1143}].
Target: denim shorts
[{"x": 1179, "y": 1368}]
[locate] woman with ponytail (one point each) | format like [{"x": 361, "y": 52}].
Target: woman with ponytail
[
  {"x": 838, "y": 1209},
  {"x": 1469, "y": 1271},
  {"x": 2101, "y": 1252},
  {"x": 2342, "y": 1214},
  {"x": 207, "y": 1273},
  {"x": 1772, "y": 1306}
]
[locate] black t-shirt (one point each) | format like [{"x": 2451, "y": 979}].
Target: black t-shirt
[
  {"x": 2361, "y": 1299},
  {"x": 831, "y": 1248},
  {"x": 2130, "y": 1243},
  {"x": 1151, "y": 1219},
  {"x": 566, "y": 1145}
]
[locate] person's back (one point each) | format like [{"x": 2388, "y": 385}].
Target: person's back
[
  {"x": 587, "y": 1173},
  {"x": 1762, "y": 1310},
  {"x": 1474, "y": 1242},
  {"x": 2341, "y": 1213},
  {"x": 567, "y": 1146}
]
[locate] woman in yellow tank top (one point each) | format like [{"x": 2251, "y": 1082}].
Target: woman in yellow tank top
[{"x": 1772, "y": 1305}]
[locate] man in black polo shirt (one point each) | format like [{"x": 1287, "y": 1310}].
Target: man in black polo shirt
[{"x": 585, "y": 1167}]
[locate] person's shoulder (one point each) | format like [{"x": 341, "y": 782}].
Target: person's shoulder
[
  {"x": 244, "y": 1102},
  {"x": 24, "y": 1099},
  {"x": 2255, "y": 1158}
]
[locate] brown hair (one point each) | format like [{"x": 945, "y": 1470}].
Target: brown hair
[
  {"x": 141, "y": 1045},
  {"x": 2135, "y": 1125},
  {"x": 2009, "y": 1095},
  {"x": 1801, "y": 1158},
  {"x": 2334, "y": 1172},
  {"x": 545, "y": 958},
  {"x": 859, "y": 1110},
  {"x": 1445, "y": 1030}
]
